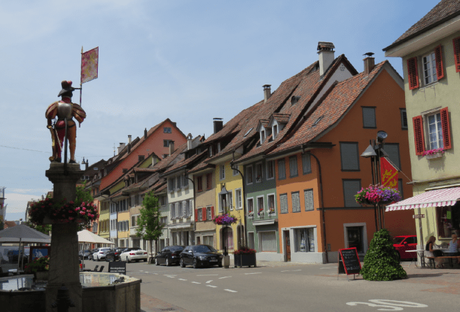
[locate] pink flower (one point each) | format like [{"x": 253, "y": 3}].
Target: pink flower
[
  {"x": 70, "y": 218},
  {"x": 78, "y": 208},
  {"x": 82, "y": 212},
  {"x": 83, "y": 208}
]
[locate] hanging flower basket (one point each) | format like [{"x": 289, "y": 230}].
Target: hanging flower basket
[
  {"x": 51, "y": 211},
  {"x": 434, "y": 153},
  {"x": 225, "y": 219},
  {"x": 377, "y": 194}
]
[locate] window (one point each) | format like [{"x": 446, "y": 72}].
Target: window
[
  {"x": 262, "y": 136},
  {"x": 260, "y": 205},
  {"x": 392, "y": 149},
  {"x": 164, "y": 220},
  {"x": 448, "y": 219},
  {"x": 167, "y": 142},
  {"x": 186, "y": 208},
  {"x": 432, "y": 68},
  {"x": 283, "y": 203},
  {"x": 281, "y": 169},
  {"x": 349, "y": 156},
  {"x": 350, "y": 188},
  {"x": 226, "y": 202},
  {"x": 209, "y": 213},
  {"x": 230, "y": 200},
  {"x": 250, "y": 205},
  {"x": 403, "y": 118},
  {"x": 209, "y": 181},
  {"x": 436, "y": 125},
  {"x": 271, "y": 203},
  {"x": 258, "y": 172},
  {"x": 270, "y": 170},
  {"x": 267, "y": 241},
  {"x": 369, "y": 117},
  {"x": 184, "y": 181},
  {"x": 238, "y": 199},
  {"x": 293, "y": 172},
  {"x": 429, "y": 68},
  {"x": 412, "y": 73},
  {"x": 295, "y": 202},
  {"x": 199, "y": 213},
  {"x": 456, "y": 44},
  {"x": 204, "y": 214},
  {"x": 275, "y": 131},
  {"x": 178, "y": 182},
  {"x": 306, "y": 163},
  {"x": 133, "y": 221},
  {"x": 249, "y": 175},
  {"x": 167, "y": 130},
  {"x": 304, "y": 240},
  {"x": 222, "y": 172},
  {"x": 308, "y": 196},
  {"x": 172, "y": 210},
  {"x": 199, "y": 183},
  {"x": 171, "y": 184},
  {"x": 180, "y": 213}
]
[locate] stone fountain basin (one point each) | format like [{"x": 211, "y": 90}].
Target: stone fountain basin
[{"x": 98, "y": 291}]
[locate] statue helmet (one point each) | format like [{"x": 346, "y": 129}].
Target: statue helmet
[{"x": 66, "y": 88}]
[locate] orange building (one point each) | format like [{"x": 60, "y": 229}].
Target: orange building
[{"x": 319, "y": 168}]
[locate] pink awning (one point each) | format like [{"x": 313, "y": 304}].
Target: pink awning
[{"x": 436, "y": 198}]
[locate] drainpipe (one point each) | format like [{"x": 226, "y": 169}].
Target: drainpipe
[
  {"x": 245, "y": 236},
  {"x": 321, "y": 206}
]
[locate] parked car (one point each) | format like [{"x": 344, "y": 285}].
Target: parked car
[
  {"x": 100, "y": 253},
  {"x": 404, "y": 243},
  {"x": 114, "y": 254},
  {"x": 169, "y": 255},
  {"x": 200, "y": 255},
  {"x": 133, "y": 254},
  {"x": 85, "y": 254}
]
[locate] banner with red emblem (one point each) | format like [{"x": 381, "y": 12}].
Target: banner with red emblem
[{"x": 388, "y": 173}]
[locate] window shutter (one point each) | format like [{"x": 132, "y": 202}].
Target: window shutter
[
  {"x": 418, "y": 135},
  {"x": 196, "y": 215},
  {"x": 456, "y": 43},
  {"x": 203, "y": 214},
  {"x": 412, "y": 73},
  {"x": 446, "y": 128},
  {"x": 212, "y": 212},
  {"x": 439, "y": 63}
]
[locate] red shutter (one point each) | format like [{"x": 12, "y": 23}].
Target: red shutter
[
  {"x": 212, "y": 212},
  {"x": 446, "y": 128},
  {"x": 412, "y": 72},
  {"x": 439, "y": 63},
  {"x": 456, "y": 43},
  {"x": 196, "y": 215},
  {"x": 203, "y": 214},
  {"x": 418, "y": 135}
]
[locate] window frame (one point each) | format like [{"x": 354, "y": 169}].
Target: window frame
[
  {"x": 209, "y": 181},
  {"x": 403, "y": 113},
  {"x": 199, "y": 183},
  {"x": 374, "y": 122},
  {"x": 238, "y": 199},
  {"x": 312, "y": 199},
  {"x": 270, "y": 164},
  {"x": 352, "y": 194},
  {"x": 222, "y": 172},
  {"x": 259, "y": 169},
  {"x": 248, "y": 200},
  {"x": 249, "y": 175},
  {"x": 299, "y": 208},
  {"x": 283, "y": 161},
  {"x": 293, "y": 169},
  {"x": 281, "y": 204},
  {"x": 356, "y": 144},
  {"x": 430, "y": 60}
]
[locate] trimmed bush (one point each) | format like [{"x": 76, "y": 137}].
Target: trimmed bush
[{"x": 381, "y": 262}]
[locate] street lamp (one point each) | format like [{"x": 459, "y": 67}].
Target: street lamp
[{"x": 223, "y": 195}]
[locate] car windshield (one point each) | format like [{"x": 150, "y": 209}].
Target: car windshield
[
  {"x": 203, "y": 248},
  {"x": 176, "y": 248},
  {"x": 398, "y": 240}
]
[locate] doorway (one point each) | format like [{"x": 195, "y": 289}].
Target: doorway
[
  {"x": 355, "y": 235},
  {"x": 287, "y": 246}
]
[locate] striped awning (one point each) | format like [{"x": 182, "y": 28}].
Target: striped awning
[{"x": 436, "y": 198}]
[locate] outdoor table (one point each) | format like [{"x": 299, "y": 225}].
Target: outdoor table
[{"x": 420, "y": 253}]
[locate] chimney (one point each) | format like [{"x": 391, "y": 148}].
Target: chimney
[
  {"x": 326, "y": 56},
  {"x": 121, "y": 147},
  {"x": 129, "y": 138},
  {"x": 189, "y": 142},
  {"x": 145, "y": 134},
  {"x": 369, "y": 63},
  {"x": 171, "y": 147},
  {"x": 267, "y": 92},
  {"x": 218, "y": 124}
]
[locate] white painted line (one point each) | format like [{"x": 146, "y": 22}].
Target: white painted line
[
  {"x": 224, "y": 277},
  {"x": 182, "y": 279},
  {"x": 196, "y": 283},
  {"x": 208, "y": 281},
  {"x": 326, "y": 268},
  {"x": 208, "y": 275},
  {"x": 229, "y": 290},
  {"x": 253, "y": 273},
  {"x": 212, "y": 286},
  {"x": 290, "y": 271}
]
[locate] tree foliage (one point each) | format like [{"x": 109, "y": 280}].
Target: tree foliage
[
  {"x": 149, "y": 226},
  {"x": 381, "y": 262}
]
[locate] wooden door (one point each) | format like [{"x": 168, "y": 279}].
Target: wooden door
[{"x": 287, "y": 244}]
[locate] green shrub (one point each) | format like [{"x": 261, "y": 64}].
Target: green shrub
[{"x": 381, "y": 262}]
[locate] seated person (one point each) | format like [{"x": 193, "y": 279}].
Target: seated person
[
  {"x": 429, "y": 252},
  {"x": 453, "y": 246}
]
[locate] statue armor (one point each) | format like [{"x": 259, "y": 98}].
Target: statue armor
[{"x": 64, "y": 111}]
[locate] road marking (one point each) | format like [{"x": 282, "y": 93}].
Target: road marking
[
  {"x": 229, "y": 290},
  {"x": 290, "y": 271},
  {"x": 196, "y": 283},
  {"x": 182, "y": 279},
  {"x": 208, "y": 275},
  {"x": 208, "y": 281},
  {"x": 212, "y": 286},
  {"x": 389, "y": 305},
  {"x": 170, "y": 276},
  {"x": 224, "y": 277},
  {"x": 253, "y": 273}
]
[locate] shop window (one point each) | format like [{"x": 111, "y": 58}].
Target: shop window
[
  {"x": 304, "y": 240},
  {"x": 448, "y": 220}
]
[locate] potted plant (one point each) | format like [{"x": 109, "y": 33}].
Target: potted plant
[
  {"x": 434, "y": 153},
  {"x": 225, "y": 219},
  {"x": 271, "y": 210},
  {"x": 244, "y": 257},
  {"x": 39, "y": 267},
  {"x": 261, "y": 212},
  {"x": 377, "y": 194}
]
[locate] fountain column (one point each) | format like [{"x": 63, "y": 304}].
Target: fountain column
[{"x": 64, "y": 264}]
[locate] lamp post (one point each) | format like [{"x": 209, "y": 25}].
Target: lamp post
[{"x": 374, "y": 151}]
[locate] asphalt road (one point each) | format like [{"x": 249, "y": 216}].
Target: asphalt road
[{"x": 290, "y": 287}]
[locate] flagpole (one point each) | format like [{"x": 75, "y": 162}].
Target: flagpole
[{"x": 81, "y": 84}]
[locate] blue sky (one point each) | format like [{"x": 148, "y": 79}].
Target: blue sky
[{"x": 185, "y": 60}]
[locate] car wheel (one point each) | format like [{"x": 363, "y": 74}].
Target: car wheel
[
  {"x": 182, "y": 264},
  {"x": 145, "y": 260},
  {"x": 167, "y": 262},
  {"x": 127, "y": 260},
  {"x": 157, "y": 262},
  {"x": 195, "y": 264}
]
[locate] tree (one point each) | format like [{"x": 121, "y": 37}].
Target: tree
[
  {"x": 149, "y": 226},
  {"x": 381, "y": 262}
]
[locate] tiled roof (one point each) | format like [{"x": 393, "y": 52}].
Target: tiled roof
[
  {"x": 201, "y": 166},
  {"x": 333, "y": 106},
  {"x": 188, "y": 161},
  {"x": 171, "y": 159},
  {"x": 443, "y": 11}
]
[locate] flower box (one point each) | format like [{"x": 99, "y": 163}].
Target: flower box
[
  {"x": 244, "y": 260},
  {"x": 434, "y": 156}
]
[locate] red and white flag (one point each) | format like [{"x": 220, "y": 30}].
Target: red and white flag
[
  {"x": 89, "y": 65},
  {"x": 388, "y": 173}
]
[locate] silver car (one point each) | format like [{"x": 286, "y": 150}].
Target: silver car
[{"x": 100, "y": 253}]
